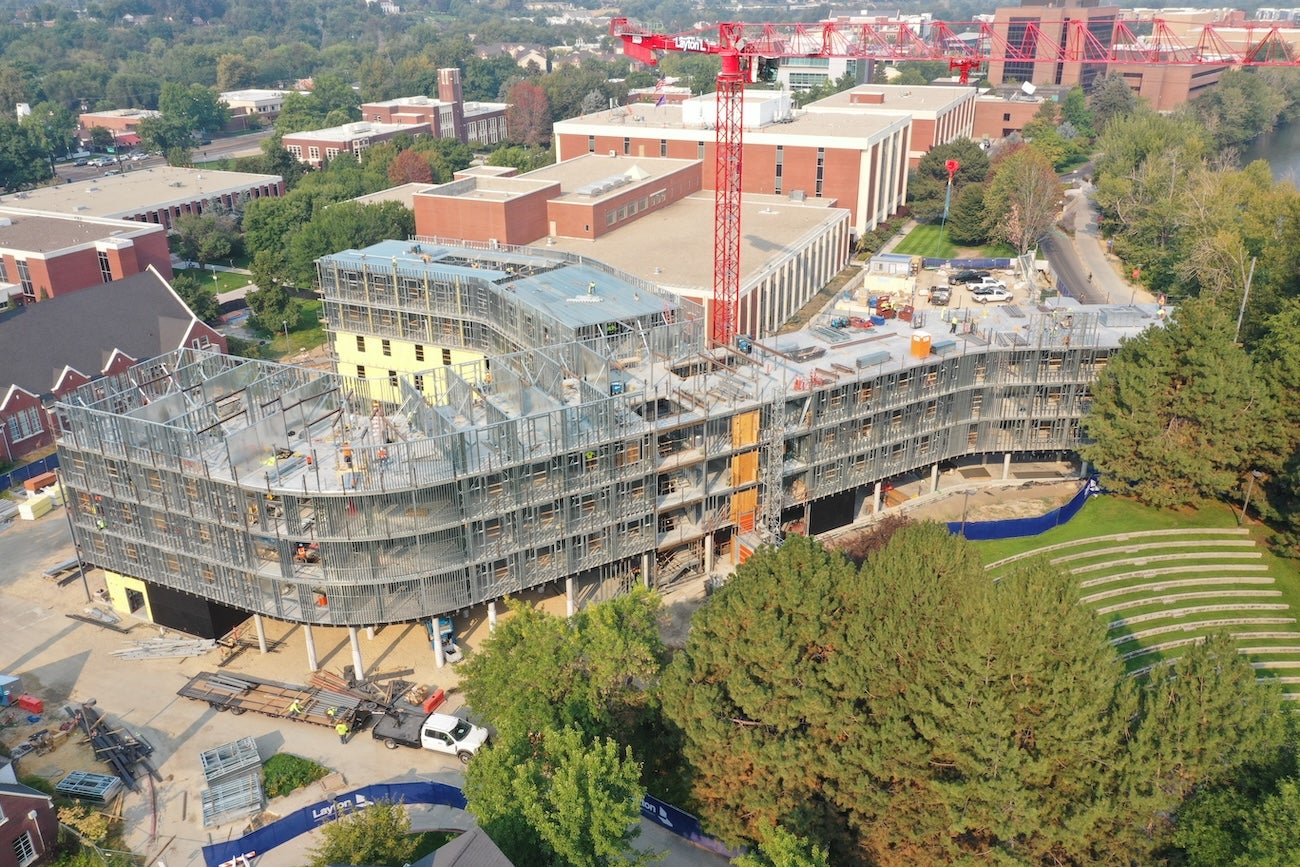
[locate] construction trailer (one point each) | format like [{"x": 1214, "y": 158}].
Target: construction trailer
[{"x": 207, "y": 475}]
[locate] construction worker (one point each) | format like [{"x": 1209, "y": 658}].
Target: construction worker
[
  {"x": 343, "y": 730},
  {"x": 295, "y": 708},
  {"x": 347, "y": 455}
]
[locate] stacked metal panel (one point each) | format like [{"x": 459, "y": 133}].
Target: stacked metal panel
[
  {"x": 235, "y": 758},
  {"x": 235, "y": 798}
]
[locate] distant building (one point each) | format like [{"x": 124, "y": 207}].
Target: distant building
[
  {"x": 45, "y": 256},
  {"x": 318, "y": 146},
  {"x": 158, "y": 194},
  {"x": 1038, "y": 29},
  {"x": 52, "y": 349},
  {"x": 939, "y": 114},
  {"x": 801, "y": 74},
  {"x": 855, "y": 156},
  {"x": 523, "y": 55},
  {"x": 123, "y": 123},
  {"x": 247, "y": 104}
]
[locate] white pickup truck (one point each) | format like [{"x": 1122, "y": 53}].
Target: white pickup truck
[{"x": 438, "y": 732}]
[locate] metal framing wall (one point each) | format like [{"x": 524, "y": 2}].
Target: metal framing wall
[{"x": 213, "y": 475}]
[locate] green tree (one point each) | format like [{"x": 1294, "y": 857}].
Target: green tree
[
  {"x": 966, "y": 223},
  {"x": 409, "y": 167},
  {"x": 1075, "y": 110},
  {"x": 558, "y": 798},
  {"x": 928, "y": 185},
  {"x": 1179, "y": 412},
  {"x": 1022, "y": 198},
  {"x": 235, "y": 72},
  {"x": 1111, "y": 98},
  {"x": 172, "y": 136},
  {"x": 379, "y": 835},
  {"x": 195, "y": 108},
  {"x": 343, "y": 226},
  {"x": 780, "y": 848},
  {"x": 523, "y": 158},
  {"x": 24, "y": 160},
  {"x": 204, "y": 238},
  {"x": 197, "y": 295}
]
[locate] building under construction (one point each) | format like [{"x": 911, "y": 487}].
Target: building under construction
[{"x": 585, "y": 429}]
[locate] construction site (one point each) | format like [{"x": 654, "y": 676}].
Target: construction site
[{"x": 596, "y": 432}]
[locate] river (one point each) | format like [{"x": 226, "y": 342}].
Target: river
[{"x": 1281, "y": 148}]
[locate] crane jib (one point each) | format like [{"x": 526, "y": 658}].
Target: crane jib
[{"x": 690, "y": 43}]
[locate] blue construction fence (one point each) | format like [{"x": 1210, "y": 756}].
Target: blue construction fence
[
  {"x": 311, "y": 817},
  {"x": 962, "y": 264},
  {"x": 18, "y": 475},
  {"x": 1011, "y": 528}
]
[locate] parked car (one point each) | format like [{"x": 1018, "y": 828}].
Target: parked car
[
  {"x": 967, "y": 277},
  {"x": 986, "y": 283},
  {"x": 82, "y": 163},
  {"x": 991, "y": 293},
  {"x": 112, "y": 172},
  {"x": 438, "y": 732},
  {"x": 940, "y": 296}
]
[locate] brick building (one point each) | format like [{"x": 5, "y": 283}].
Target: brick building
[
  {"x": 47, "y": 255},
  {"x": 448, "y": 116},
  {"x": 318, "y": 146},
  {"x": 29, "y": 826},
  {"x": 51, "y": 349},
  {"x": 123, "y": 123},
  {"x": 939, "y": 114},
  {"x": 857, "y": 158},
  {"x": 253, "y": 103},
  {"x": 1016, "y": 25}
]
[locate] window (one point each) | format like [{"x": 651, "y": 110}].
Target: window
[
  {"x": 313, "y": 152},
  {"x": 699, "y": 150},
  {"x": 1006, "y": 118},
  {"x": 361, "y": 343},
  {"x": 25, "y": 278},
  {"x": 24, "y": 423},
  {"x": 821, "y": 168},
  {"x": 392, "y": 378},
  {"x": 446, "y": 356},
  {"x": 105, "y": 269},
  {"x": 663, "y": 147},
  {"x": 361, "y": 371},
  {"x": 4, "y": 274},
  {"x": 386, "y": 346},
  {"x": 591, "y": 144},
  {"x": 627, "y": 145},
  {"x": 330, "y": 153},
  {"x": 419, "y": 352},
  {"x": 24, "y": 851},
  {"x": 780, "y": 168},
  {"x": 419, "y": 382}
]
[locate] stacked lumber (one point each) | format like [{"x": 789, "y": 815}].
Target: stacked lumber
[{"x": 121, "y": 750}]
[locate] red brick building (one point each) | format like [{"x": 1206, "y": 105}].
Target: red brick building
[
  {"x": 51, "y": 349},
  {"x": 123, "y": 123},
  {"x": 29, "y": 826},
  {"x": 448, "y": 116},
  {"x": 855, "y": 157},
  {"x": 939, "y": 113},
  {"x": 1038, "y": 28},
  {"x": 45, "y": 255},
  {"x": 318, "y": 146}
]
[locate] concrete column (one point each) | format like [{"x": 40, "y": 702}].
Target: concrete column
[
  {"x": 312, "y": 664},
  {"x": 439, "y": 658},
  {"x": 492, "y": 616},
  {"x": 570, "y": 604},
  {"x": 646, "y": 563},
  {"x": 708, "y": 552},
  {"x": 1083, "y": 469},
  {"x": 934, "y": 478},
  {"x": 875, "y": 499},
  {"x": 359, "y": 668},
  {"x": 1006, "y": 466},
  {"x": 370, "y": 633},
  {"x": 261, "y": 632}
]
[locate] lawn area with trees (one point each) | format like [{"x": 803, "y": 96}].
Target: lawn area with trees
[{"x": 934, "y": 242}]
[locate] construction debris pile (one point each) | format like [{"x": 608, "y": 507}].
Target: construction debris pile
[
  {"x": 166, "y": 648},
  {"x": 126, "y": 753}
]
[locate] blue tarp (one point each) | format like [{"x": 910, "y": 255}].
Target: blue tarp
[
  {"x": 960, "y": 264},
  {"x": 1012, "y": 528},
  {"x": 18, "y": 475},
  {"x": 308, "y": 818},
  {"x": 680, "y": 822}
]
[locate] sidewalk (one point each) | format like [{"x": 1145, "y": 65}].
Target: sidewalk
[{"x": 1105, "y": 269}]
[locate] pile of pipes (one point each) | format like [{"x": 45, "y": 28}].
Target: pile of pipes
[
  {"x": 116, "y": 746},
  {"x": 166, "y": 648}
]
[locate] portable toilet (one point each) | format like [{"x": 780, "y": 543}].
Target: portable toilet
[{"x": 921, "y": 344}]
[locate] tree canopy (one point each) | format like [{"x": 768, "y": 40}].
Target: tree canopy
[
  {"x": 928, "y": 185},
  {"x": 1179, "y": 412},
  {"x": 912, "y": 711},
  {"x": 379, "y": 834},
  {"x": 1022, "y": 198}
]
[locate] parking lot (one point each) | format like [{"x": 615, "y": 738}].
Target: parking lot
[{"x": 62, "y": 660}]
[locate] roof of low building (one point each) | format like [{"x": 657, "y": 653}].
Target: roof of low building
[
  {"x": 349, "y": 131},
  {"x": 474, "y": 848},
  {"x": 139, "y": 315},
  {"x": 138, "y": 190},
  {"x": 18, "y": 790},
  {"x": 897, "y": 98},
  {"x": 42, "y": 232}
]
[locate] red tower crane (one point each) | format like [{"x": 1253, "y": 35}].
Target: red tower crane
[{"x": 748, "y": 50}]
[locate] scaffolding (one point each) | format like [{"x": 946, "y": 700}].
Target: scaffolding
[{"x": 325, "y": 498}]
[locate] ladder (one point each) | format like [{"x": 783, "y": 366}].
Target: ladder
[{"x": 773, "y": 474}]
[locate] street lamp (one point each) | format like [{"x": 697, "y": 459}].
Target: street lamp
[
  {"x": 1250, "y": 486},
  {"x": 286, "y": 331}
]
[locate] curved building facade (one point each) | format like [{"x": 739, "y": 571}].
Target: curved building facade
[{"x": 592, "y": 431}]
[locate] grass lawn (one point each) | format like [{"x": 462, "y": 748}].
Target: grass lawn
[
  {"x": 930, "y": 240},
  {"x": 308, "y": 333},
  {"x": 225, "y": 281}
]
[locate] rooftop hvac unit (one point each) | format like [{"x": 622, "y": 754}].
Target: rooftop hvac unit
[
  {"x": 613, "y": 154},
  {"x": 798, "y": 196}
]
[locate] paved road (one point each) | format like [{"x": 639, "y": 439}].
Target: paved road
[
  {"x": 249, "y": 144},
  {"x": 73, "y": 173}
]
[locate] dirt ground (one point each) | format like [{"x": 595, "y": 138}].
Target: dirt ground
[{"x": 996, "y": 504}]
